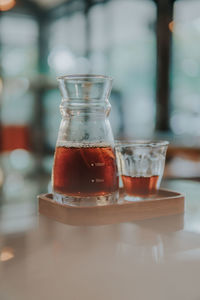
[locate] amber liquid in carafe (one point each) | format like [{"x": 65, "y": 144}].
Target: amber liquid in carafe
[
  {"x": 84, "y": 171},
  {"x": 140, "y": 186}
]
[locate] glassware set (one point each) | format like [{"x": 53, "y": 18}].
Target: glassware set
[{"x": 88, "y": 164}]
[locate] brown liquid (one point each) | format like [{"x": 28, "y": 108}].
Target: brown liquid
[
  {"x": 140, "y": 186},
  {"x": 85, "y": 171}
]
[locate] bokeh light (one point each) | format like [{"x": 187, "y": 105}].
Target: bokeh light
[
  {"x": 20, "y": 159},
  {"x": 1, "y": 85},
  {"x": 61, "y": 60},
  {"x": 6, "y": 254},
  {"x": 1, "y": 177},
  {"x": 7, "y": 4}
]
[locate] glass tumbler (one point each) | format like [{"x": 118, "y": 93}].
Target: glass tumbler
[
  {"x": 85, "y": 170},
  {"x": 141, "y": 166}
]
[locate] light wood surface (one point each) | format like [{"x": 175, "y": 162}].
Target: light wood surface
[{"x": 165, "y": 203}]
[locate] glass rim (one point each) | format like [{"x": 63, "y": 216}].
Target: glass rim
[
  {"x": 84, "y": 76},
  {"x": 141, "y": 143}
]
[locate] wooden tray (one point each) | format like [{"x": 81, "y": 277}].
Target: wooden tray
[{"x": 164, "y": 204}]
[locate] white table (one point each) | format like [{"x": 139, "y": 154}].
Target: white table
[{"x": 155, "y": 259}]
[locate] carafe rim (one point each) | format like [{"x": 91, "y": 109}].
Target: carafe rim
[{"x": 84, "y": 76}]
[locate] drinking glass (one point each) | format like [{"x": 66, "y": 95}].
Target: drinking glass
[{"x": 140, "y": 166}]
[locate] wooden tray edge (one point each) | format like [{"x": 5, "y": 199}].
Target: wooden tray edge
[{"x": 113, "y": 213}]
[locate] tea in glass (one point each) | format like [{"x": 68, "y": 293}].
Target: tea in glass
[
  {"x": 141, "y": 165},
  {"x": 85, "y": 171}
]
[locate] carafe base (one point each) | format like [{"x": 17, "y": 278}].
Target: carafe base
[{"x": 86, "y": 201}]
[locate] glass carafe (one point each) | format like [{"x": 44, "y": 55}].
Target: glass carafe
[{"x": 84, "y": 171}]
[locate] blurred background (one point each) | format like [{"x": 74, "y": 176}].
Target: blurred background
[{"x": 150, "y": 48}]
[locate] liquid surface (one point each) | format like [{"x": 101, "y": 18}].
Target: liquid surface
[
  {"x": 140, "y": 186},
  {"x": 84, "y": 171}
]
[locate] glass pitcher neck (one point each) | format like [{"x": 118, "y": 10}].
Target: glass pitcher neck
[
  {"x": 79, "y": 88},
  {"x": 85, "y": 94},
  {"x": 85, "y": 108}
]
